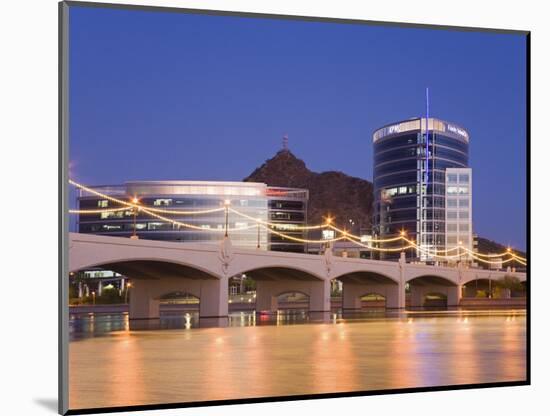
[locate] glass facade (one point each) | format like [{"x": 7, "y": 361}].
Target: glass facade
[
  {"x": 288, "y": 206},
  {"x": 459, "y": 211},
  {"x": 410, "y": 164}
]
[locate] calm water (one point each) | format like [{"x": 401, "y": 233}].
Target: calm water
[{"x": 115, "y": 363}]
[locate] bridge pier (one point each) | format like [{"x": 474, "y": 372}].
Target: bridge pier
[
  {"x": 146, "y": 293},
  {"x": 143, "y": 304},
  {"x": 214, "y": 297},
  {"x": 319, "y": 299},
  {"x": 454, "y": 294},
  {"x": 352, "y": 293},
  {"x": 267, "y": 292},
  {"x": 419, "y": 292}
]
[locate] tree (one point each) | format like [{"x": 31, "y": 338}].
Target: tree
[{"x": 510, "y": 282}]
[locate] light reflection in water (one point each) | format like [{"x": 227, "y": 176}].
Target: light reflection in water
[{"x": 116, "y": 363}]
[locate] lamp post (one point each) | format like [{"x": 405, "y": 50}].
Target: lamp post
[
  {"x": 226, "y": 204},
  {"x": 128, "y": 286},
  {"x": 93, "y": 297},
  {"x": 351, "y": 224},
  {"x": 135, "y": 209},
  {"x": 258, "y": 224},
  {"x": 402, "y": 235}
]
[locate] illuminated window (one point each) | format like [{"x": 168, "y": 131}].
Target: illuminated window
[
  {"x": 463, "y": 190},
  {"x": 452, "y": 190},
  {"x": 103, "y": 203},
  {"x": 110, "y": 227},
  {"x": 402, "y": 190},
  {"x": 160, "y": 202},
  {"x": 328, "y": 234},
  {"x": 157, "y": 226}
]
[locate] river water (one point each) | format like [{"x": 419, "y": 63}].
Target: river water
[{"x": 113, "y": 362}]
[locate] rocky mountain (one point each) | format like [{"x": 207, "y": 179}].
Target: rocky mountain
[{"x": 342, "y": 196}]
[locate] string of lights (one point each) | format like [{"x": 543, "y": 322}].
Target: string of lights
[
  {"x": 302, "y": 240},
  {"x": 137, "y": 206},
  {"x": 194, "y": 227},
  {"x": 392, "y": 249},
  {"x": 271, "y": 228},
  {"x": 508, "y": 252},
  {"x": 97, "y": 211},
  {"x": 357, "y": 237},
  {"x": 272, "y": 224}
]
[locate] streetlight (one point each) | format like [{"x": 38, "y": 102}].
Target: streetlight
[
  {"x": 402, "y": 235},
  {"x": 93, "y": 296},
  {"x": 128, "y": 286},
  {"x": 135, "y": 201},
  {"x": 258, "y": 224},
  {"x": 226, "y": 204}
]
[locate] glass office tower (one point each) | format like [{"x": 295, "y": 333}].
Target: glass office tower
[{"x": 410, "y": 160}]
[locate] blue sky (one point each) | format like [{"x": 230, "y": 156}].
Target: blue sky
[{"x": 157, "y": 95}]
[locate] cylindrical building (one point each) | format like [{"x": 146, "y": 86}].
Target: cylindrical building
[{"x": 409, "y": 181}]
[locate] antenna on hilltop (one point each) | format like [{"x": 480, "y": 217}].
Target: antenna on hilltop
[{"x": 285, "y": 142}]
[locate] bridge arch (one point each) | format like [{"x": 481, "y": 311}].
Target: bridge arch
[
  {"x": 423, "y": 286},
  {"x": 274, "y": 281},
  {"x": 153, "y": 279},
  {"x": 148, "y": 265},
  {"x": 441, "y": 277},
  {"x": 356, "y": 285},
  {"x": 152, "y": 268}
]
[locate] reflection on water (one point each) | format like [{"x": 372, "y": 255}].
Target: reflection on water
[{"x": 180, "y": 358}]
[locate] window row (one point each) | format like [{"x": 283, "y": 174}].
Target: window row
[
  {"x": 394, "y": 142},
  {"x": 401, "y": 165},
  {"x": 154, "y": 226},
  {"x": 92, "y": 203},
  {"x": 462, "y": 178},
  {"x": 458, "y": 227},
  {"x": 453, "y": 215},
  {"x": 458, "y": 190},
  {"x": 457, "y": 239},
  {"x": 458, "y": 203}
]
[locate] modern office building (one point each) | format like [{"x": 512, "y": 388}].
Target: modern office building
[
  {"x": 283, "y": 206},
  {"x": 458, "y": 203},
  {"x": 287, "y": 210},
  {"x": 410, "y": 162}
]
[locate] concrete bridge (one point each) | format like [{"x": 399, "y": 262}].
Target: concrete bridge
[{"x": 202, "y": 270}]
